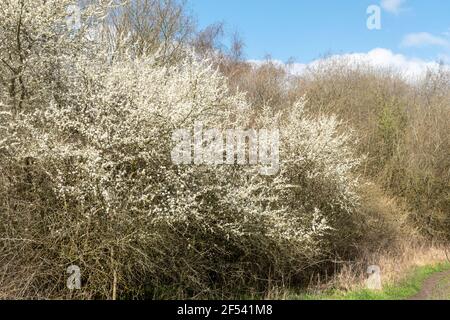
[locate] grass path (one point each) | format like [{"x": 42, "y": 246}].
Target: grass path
[
  {"x": 436, "y": 287},
  {"x": 423, "y": 283}
]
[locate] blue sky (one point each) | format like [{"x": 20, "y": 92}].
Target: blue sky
[{"x": 306, "y": 30}]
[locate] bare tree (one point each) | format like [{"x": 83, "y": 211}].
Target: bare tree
[{"x": 151, "y": 25}]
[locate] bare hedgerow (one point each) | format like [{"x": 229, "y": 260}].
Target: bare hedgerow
[
  {"x": 403, "y": 128},
  {"x": 87, "y": 178}
]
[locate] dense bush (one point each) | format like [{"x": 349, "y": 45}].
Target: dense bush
[
  {"x": 87, "y": 176},
  {"x": 403, "y": 129}
]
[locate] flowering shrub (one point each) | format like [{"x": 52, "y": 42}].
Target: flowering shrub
[{"x": 87, "y": 177}]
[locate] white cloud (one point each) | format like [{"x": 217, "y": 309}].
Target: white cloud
[
  {"x": 423, "y": 39},
  {"x": 410, "y": 69},
  {"x": 393, "y": 6}
]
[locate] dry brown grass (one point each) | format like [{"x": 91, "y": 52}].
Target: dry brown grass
[{"x": 394, "y": 265}]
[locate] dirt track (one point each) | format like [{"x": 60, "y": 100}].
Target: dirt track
[{"x": 437, "y": 287}]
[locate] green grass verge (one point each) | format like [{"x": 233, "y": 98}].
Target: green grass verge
[{"x": 402, "y": 290}]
